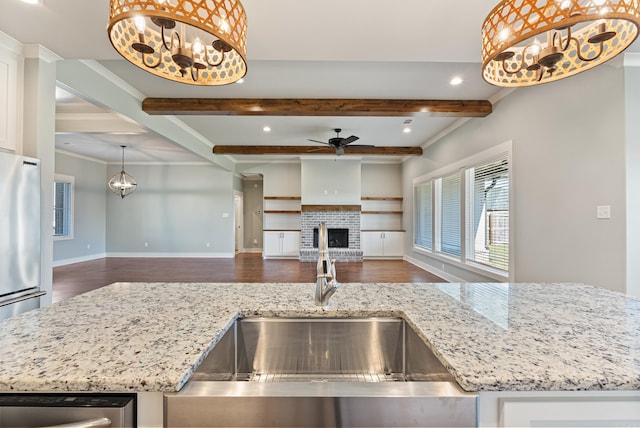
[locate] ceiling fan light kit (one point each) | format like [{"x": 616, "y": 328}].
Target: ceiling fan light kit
[
  {"x": 199, "y": 42},
  {"x": 528, "y": 42}
]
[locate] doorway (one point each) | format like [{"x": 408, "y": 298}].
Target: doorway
[{"x": 238, "y": 206}]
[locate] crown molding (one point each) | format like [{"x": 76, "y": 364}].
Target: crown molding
[
  {"x": 632, "y": 59},
  {"x": 34, "y": 51}
]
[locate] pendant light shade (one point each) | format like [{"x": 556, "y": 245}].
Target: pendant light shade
[
  {"x": 199, "y": 42},
  {"x": 122, "y": 183},
  {"x": 528, "y": 42}
]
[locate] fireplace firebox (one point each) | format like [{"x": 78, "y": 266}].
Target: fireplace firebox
[{"x": 338, "y": 238}]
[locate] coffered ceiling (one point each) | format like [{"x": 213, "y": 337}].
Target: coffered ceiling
[{"x": 347, "y": 49}]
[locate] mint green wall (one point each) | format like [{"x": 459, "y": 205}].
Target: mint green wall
[
  {"x": 568, "y": 157},
  {"x": 89, "y": 217}
]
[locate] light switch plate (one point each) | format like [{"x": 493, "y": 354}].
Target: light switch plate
[{"x": 603, "y": 212}]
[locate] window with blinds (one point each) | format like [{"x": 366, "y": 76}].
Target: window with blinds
[
  {"x": 62, "y": 207},
  {"x": 487, "y": 219},
  {"x": 448, "y": 214},
  {"x": 466, "y": 213},
  {"x": 423, "y": 215}
]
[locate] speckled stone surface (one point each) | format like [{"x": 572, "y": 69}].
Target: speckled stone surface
[{"x": 150, "y": 337}]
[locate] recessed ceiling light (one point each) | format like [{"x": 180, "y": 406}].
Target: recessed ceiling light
[
  {"x": 406, "y": 130},
  {"x": 456, "y": 81},
  {"x": 31, "y": 1},
  {"x": 266, "y": 129}
]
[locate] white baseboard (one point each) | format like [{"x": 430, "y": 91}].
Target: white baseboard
[
  {"x": 251, "y": 250},
  {"x": 174, "y": 255},
  {"x": 78, "y": 259},
  {"x": 438, "y": 272}
]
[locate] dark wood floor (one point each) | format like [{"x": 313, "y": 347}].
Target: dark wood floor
[{"x": 74, "y": 279}]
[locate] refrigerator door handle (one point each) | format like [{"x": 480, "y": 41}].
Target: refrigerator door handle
[
  {"x": 21, "y": 298},
  {"x": 91, "y": 423}
]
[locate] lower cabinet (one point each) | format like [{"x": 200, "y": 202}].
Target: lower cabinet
[
  {"x": 559, "y": 409},
  {"x": 382, "y": 244},
  {"x": 281, "y": 244}
]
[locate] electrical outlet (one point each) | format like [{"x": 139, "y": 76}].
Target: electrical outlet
[
  {"x": 603, "y": 212},
  {"x": 146, "y": 244}
]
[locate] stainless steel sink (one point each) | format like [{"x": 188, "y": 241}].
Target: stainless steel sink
[{"x": 321, "y": 372}]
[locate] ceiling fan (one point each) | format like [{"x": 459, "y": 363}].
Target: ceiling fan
[{"x": 339, "y": 143}]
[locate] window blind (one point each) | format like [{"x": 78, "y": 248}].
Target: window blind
[
  {"x": 423, "y": 220},
  {"x": 449, "y": 215},
  {"x": 487, "y": 219},
  {"x": 61, "y": 208}
]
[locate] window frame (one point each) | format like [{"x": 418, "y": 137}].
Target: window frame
[
  {"x": 461, "y": 167},
  {"x": 68, "y": 208}
]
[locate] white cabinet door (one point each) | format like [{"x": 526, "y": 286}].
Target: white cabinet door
[
  {"x": 393, "y": 244},
  {"x": 272, "y": 244},
  {"x": 9, "y": 101},
  {"x": 371, "y": 244},
  {"x": 281, "y": 244},
  {"x": 382, "y": 244},
  {"x": 290, "y": 244},
  {"x": 589, "y": 411}
]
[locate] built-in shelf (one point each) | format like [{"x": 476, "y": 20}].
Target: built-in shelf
[
  {"x": 283, "y": 198},
  {"x": 381, "y": 213},
  {"x": 281, "y": 213},
  {"x": 381, "y": 198}
]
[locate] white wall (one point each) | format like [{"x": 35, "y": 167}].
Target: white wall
[
  {"x": 90, "y": 206},
  {"x": 280, "y": 178},
  {"x": 632, "y": 128},
  {"x": 382, "y": 180},
  {"x": 176, "y": 210},
  {"x": 331, "y": 182},
  {"x": 568, "y": 157}
]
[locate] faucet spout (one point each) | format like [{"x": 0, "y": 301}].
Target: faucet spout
[{"x": 326, "y": 283}]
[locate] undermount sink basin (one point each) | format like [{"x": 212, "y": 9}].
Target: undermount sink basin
[
  {"x": 321, "y": 372},
  {"x": 318, "y": 349}
]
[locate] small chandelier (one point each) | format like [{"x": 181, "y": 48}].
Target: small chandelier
[
  {"x": 122, "y": 183},
  {"x": 200, "y": 42},
  {"x": 576, "y": 35}
]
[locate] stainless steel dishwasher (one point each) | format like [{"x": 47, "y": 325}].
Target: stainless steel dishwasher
[{"x": 28, "y": 410}]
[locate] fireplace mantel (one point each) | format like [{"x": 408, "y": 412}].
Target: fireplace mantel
[{"x": 331, "y": 208}]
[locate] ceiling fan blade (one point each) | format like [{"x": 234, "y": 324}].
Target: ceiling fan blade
[
  {"x": 316, "y": 141},
  {"x": 363, "y": 146},
  {"x": 349, "y": 140}
]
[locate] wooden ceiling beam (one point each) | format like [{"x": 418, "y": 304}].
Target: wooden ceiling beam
[
  {"x": 315, "y": 150},
  {"x": 315, "y": 107}
]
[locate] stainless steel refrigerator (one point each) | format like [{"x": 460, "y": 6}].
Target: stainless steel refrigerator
[{"x": 19, "y": 234}]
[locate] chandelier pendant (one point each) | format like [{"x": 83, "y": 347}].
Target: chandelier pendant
[
  {"x": 122, "y": 183},
  {"x": 528, "y": 42},
  {"x": 199, "y": 42}
]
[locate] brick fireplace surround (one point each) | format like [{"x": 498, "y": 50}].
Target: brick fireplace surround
[{"x": 335, "y": 216}]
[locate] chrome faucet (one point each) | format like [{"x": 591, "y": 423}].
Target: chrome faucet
[{"x": 326, "y": 283}]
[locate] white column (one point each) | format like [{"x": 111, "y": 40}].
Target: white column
[{"x": 39, "y": 119}]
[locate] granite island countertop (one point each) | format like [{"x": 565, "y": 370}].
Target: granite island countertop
[{"x": 491, "y": 337}]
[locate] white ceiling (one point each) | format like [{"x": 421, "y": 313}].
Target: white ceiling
[{"x": 296, "y": 49}]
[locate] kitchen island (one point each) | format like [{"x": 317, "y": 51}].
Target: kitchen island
[{"x": 493, "y": 338}]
